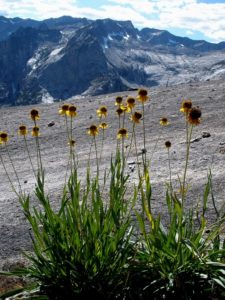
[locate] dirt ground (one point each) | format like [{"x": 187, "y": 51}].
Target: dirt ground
[{"x": 207, "y": 150}]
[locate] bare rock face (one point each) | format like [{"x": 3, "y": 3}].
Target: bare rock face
[{"x": 54, "y": 59}]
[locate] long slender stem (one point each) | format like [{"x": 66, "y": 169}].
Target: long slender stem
[
  {"x": 89, "y": 155},
  {"x": 14, "y": 169},
  {"x": 67, "y": 127},
  {"x": 135, "y": 146},
  {"x": 38, "y": 152},
  {"x": 156, "y": 143},
  {"x": 186, "y": 163},
  {"x": 28, "y": 152},
  {"x": 118, "y": 141},
  {"x": 7, "y": 174},
  {"x": 67, "y": 167},
  {"x": 171, "y": 188},
  {"x": 96, "y": 155},
  {"x": 103, "y": 138},
  {"x": 131, "y": 142},
  {"x": 144, "y": 157},
  {"x": 123, "y": 158}
]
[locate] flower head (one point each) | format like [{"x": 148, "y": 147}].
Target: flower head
[
  {"x": 194, "y": 116},
  {"x": 186, "y": 105},
  {"x": 119, "y": 100},
  {"x": 103, "y": 125},
  {"x": 4, "y": 137},
  {"x": 130, "y": 102},
  {"x": 72, "y": 143},
  {"x": 102, "y": 111},
  {"x": 22, "y": 130},
  {"x": 35, "y": 131},
  {"x": 142, "y": 95},
  {"x": 72, "y": 111},
  {"x": 136, "y": 117},
  {"x": 122, "y": 133},
  {"x": 164, "y": 121},
  {"x": 34, "y": 114},
  {"x": 93, "y": 130},
  {"x": 119, "y": 111},
  {"x": 125, "y": 108},
  {"x": 168, "y": 144},
  {"x": 64, "y": 109}
]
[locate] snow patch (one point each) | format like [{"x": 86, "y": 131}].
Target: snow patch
[
  {"x": 46, "y": 97},
  {"x": 32, "y": 62},
  {"x": 56, "y": 51},
  {"x": 126, "y": 37},
  {"x": 109, "y": 37},
  {"x": 55, "y": 55},
  {"x": 157, "y": 33},
  {"x": 105, "y": 43}
]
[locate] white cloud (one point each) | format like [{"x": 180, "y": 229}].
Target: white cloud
[
  {"x": 143, "y": 6},
  {"x": 202, "y": 17},
  {"x": 185, "y": 15}
]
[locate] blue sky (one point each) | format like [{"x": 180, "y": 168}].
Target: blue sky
[{"x": 197, "y": 19}]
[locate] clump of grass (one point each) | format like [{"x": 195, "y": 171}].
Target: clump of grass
[{"x": 97, "y": 244}]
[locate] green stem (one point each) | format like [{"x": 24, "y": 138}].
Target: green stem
[
  {"x": 135, "y": 146},
  {"x": 170, "y": 174},
  {"x": 38, "y": 153},
  {"x": 118, "y": 141},
  {"x": 96, "y": 155},
  {"x": 131, "y": 142},
  {"x": 102, "y": 144},
  {"x": 186, "y": 163},
  {"x": 29, "y": 156},
  {"x": 89, "y": 155},
  {"x": 17, "y": 177},
  {"x": 156, "y": 143},
  {"x": 7, "y": 174},
  {"x": 144, "y": 156}
]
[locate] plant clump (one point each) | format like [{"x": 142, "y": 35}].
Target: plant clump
[{"x": 98, "y": 244}]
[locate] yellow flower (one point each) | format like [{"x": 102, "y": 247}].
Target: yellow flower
[
  {"x": 34, "y": 114},
  {"x": 4, "y": 137},
  {"x": 194, "y": 116},
  {"x": 125, "y": 108},
  {"x": 168, "y": 144},
  {"x": 103, "y": 125},
  {"x": 93, "y": 130},
  {"x": 130, "y": 102},
  {"x": 122, "y": 133},
  {"x": 72, "y": 111},
  {"x": 164, "y": 121},
  {"x": 119, "y": 100},
  {"x": 102, "y": 111},
  {"x": 22, "y": 130},
  {"x": 142, "y": 95},
  {"x": 35, "y": 131},
  {"x": 64, "y": 109},
  {"x": 72, "y": 143},
  {"x": 120, "y": 111},
  {"x": 186, "y": 105},
  {"x": 136, "y": 117}
]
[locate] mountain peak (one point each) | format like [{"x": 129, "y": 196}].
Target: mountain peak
[{"x": 66, "y": 56}]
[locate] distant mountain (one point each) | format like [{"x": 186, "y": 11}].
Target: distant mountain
[{"x": 45, "y": 61}]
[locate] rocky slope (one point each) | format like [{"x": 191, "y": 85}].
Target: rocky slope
[
  {"x": 207, "y": 150},
  {"x": 45, "y": 61}
]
